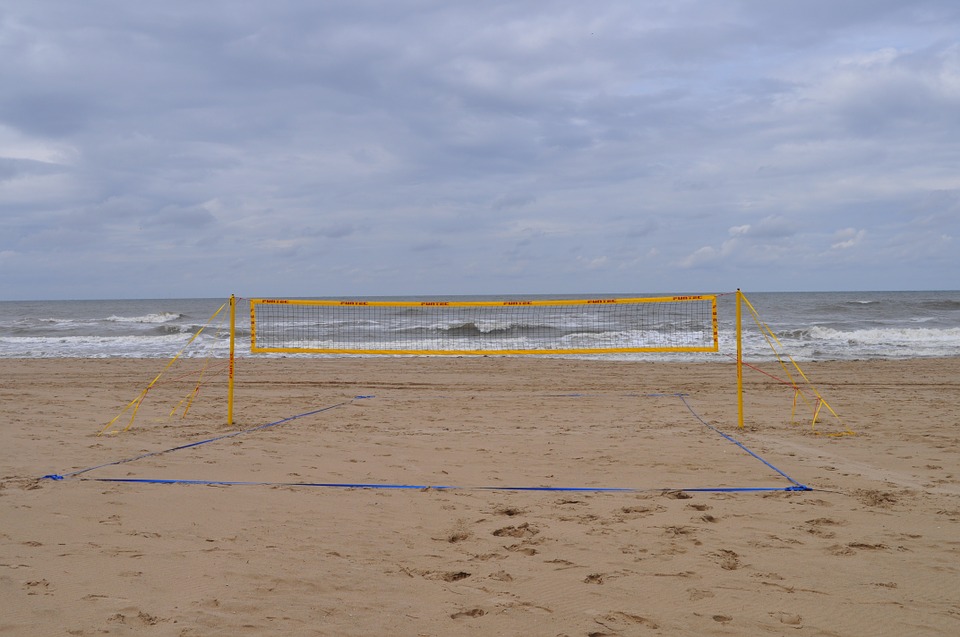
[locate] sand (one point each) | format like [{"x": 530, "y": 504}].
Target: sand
[{"x": 872, "y": 549}]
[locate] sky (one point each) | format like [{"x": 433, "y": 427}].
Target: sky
[{"x": 300, "y": 148}]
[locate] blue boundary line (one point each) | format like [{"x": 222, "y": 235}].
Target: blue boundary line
[
  {"x": 794, "y": 486},
  {"x": 730, "y": 438},
  {"x": 428, "y": 487},
  {"x": 55, "y": 476}
]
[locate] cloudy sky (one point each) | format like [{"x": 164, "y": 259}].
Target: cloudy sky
[{"x": 294, "y": 147}]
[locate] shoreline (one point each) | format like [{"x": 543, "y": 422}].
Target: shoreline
[{"x": 83, "y": 556}]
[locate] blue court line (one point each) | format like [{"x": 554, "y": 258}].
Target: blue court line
[
  {"x": 683, "y": 398},
  {"x": 730, "y": 438},
  {"x": 55, "y": 476},
  {"x": 795, "y": 486},
  {"x": 427, "y": 487}
]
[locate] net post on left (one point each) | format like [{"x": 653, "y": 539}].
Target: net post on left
[{"x": 233, "y": 336}]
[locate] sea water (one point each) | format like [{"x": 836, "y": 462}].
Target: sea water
[{"x": 808, "y": 326}]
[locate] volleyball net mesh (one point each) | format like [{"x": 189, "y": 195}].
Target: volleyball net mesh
[{"x": 506, "y": 327}]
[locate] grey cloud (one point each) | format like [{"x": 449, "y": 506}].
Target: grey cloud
[
  {"x": 505, "y": 202},
  {"x": 772, "y": 228},
  {"x": 576, "y": 138},
  {"x": 12, "y": 168},
  {"x": 46, "y": 114}
]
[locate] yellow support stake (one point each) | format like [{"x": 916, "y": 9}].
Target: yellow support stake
[
  {"x": 739, "y": 364},
  {"x": 233, "y": 335}
]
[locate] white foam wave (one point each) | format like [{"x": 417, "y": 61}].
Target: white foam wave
[
  {"x": 158, "y": 317},
  {"x": 881, "y": 336},
  {"x": 163, "y": 346}
]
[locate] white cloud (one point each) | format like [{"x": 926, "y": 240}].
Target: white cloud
[
  {"x": 847, "y": 238},
  {"x": 699, "y": 257},
  {"x": 593, "y": 263},
  {"x": 17, "y": 145}
]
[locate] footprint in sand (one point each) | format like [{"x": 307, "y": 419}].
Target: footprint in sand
[
  {"x": 484, "y": 557},
  {"x": 522, "y": 548},
  {"x": 697, "y": 594},
  {"x": 34, "y": 587},
  {"x": 458, "y": 536},
  {"x": 523, "y": 530},
  {"x": 678, "y": 530},
  {"x": 840, "y": 550},
  {"x": 459, "y": 533},
  {"x": 141, "y": 618},
  {"x": 446, "y": 576},
  {"x": 727, "y": 560},
  {"x": 619, "y": 621},
  {"x": 867, "y": 546},
  {"x": 820, "y": 527},
  {"x": 876, "y": 498},
  {"x": 789, "y": 619}
]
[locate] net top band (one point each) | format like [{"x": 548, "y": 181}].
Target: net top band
[{"x": 513, "y": 303}]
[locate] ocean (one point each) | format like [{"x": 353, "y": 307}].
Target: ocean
[{"x": 810, "y": 326}]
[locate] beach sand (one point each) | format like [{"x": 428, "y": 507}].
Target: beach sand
[{"x": 872, "y": 549}]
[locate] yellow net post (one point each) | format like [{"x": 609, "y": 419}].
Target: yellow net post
[
  {"x": 233, "y": 336},
  {"x": 739, "y": 363}
]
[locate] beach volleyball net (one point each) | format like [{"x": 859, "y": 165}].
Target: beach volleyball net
[
  {"x": 509, "y": 327},
  {"x": 340, "y": 327},
  {"x": 559, "y": 327}
]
